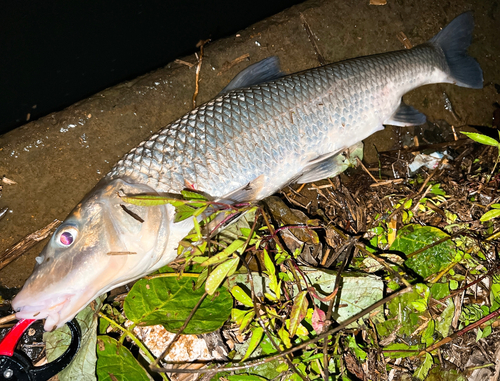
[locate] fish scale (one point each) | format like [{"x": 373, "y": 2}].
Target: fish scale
[{"x": 275, "y": 128}]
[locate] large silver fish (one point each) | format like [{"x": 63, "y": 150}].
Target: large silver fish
[{"x": 264, "y": 131}]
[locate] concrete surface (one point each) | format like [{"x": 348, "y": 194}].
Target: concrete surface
[{"x": 56, "y": 160}]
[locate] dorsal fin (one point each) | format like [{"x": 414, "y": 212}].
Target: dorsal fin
[{"x": 263, "y": 71}]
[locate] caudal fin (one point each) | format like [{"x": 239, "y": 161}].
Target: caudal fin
[{"x": 454, "y": 40}]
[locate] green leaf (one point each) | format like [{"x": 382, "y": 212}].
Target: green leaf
[
  {"x": 436, "y": 189},
  {"x": 218, "y": 275},
  {"x": 358, "y": 352},
  {"x": 245, "y": 377},
  {"x": 247, "y": 319},
  {"x": 480, "y": 138},
  {"x": 427, "y": 335},
  {"x": 254, "y": 342},
  {"x": 284, "y": 336},
  {"x": 189, "y": 195},
  {"x": 115, "y": 362},
  {"x": 83, "y": 365},
  {"x": 299, "y": 311},
  {"x": 241, "y": 296},
  {"x": 169, "y": 301},
  {"x": 423, "y": 370},
  {"x": 183, "y": 212},
  {"x": 415, "y": 237},
  {"x": 443, "y": 325},
  {"x": 235, "y": 245},
  {"x": 400, "y": 350},
  {"x": 268, "y": 263},
  {"x": 486, "y": 332},
  {"x": 494, "y": 213}
]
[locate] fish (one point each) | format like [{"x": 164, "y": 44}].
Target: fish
[{"x": 264, "y": 131}]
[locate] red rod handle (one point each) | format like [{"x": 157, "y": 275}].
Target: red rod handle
[{"x": 10, "y": 340}]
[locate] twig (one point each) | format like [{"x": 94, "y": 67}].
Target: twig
[
  {"x": 383, "y": 263},
  {"x": 182, "y": 62},
  {"x": 387, "y": 182},
  {"x": 338, "y": 279},
  {"x": 200, "y": 44},
  {"x": 366, "y": 170},
  {"x": 236, "y": 61},
  {"x": 8, "y": 319},
  {"x": 26, "y": 244},
  {"x": 312, "y": 38},
  {"x": 154, "y": 365}
]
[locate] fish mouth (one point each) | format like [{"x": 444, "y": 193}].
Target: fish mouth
[{"x": 57, "y": 310}]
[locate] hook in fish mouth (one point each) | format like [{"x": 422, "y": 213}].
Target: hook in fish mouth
[{"x": 56, "y": 310}]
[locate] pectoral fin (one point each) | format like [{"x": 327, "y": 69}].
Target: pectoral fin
[
  {"x": 332, "y": 164},
  {"x": 246, "y": 193}
]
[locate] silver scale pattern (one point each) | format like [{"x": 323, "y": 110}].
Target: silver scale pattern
[{"x": 277, "y": 127}]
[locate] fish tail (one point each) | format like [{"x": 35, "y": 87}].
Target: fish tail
[{"x": 453, "y": 40}]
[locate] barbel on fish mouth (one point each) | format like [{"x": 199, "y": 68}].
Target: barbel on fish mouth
[{"x": 264, "y": 131}]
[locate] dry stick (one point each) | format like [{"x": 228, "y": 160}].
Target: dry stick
[
  {"x": 8, "y": 319},
  {"x": 432, "y": 174},
  {"x": 312, "y": 38},
  {"x": 198, "y": 69},
  {"x": 332, "y": 331},
  {"x": 386, "y": 182},
  {"x": 26, "y": 243},
  {"x": 366, "y": 170},
  {"x": 229, "y": 65}
]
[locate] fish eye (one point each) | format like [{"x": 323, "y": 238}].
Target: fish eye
[{"x": 67, "y": 236}]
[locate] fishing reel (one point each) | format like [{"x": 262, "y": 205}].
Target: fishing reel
[{"x": 16, "y": 365}]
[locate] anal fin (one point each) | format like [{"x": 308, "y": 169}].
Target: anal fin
[{"x": 406, "y": 116}]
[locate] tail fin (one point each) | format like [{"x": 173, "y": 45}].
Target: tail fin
[{"x": 454, "y": 40}]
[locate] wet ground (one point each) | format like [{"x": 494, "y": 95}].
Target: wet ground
[{"x": 56, "y": 160}]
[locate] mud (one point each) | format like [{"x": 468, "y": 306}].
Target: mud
[{"x": 57, "y": 159}]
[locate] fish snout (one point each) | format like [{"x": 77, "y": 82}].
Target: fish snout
[{"x": 56, "y": 309}]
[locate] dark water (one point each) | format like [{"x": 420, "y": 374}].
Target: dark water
[{"x": 54, "y": 53}]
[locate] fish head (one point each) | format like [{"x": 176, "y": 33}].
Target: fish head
[{"x": 104, "y": 243}]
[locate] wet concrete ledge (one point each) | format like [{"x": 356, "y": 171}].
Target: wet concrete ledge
[{"x": 57, "y": 159}]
